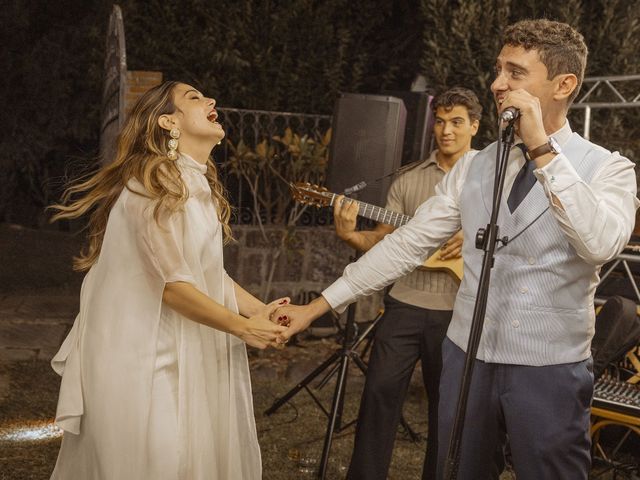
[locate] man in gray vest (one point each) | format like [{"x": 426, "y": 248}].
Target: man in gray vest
[
  {"x": 418, "y": 308},
  {"x": 533, "y": 375}
]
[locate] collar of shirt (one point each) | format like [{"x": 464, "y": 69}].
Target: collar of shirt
[
  {"x": 423, "y": 164},
  {"x": 193, "y": 176},
  {"x": 433, "y": 160},
  {"x": 562, "y": 136},
  {"x": 188, "y": 162}
]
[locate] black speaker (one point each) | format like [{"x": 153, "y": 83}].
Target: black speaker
[
  {"x": 418, "y": 139},
  {"x": 366, "y": 145}
]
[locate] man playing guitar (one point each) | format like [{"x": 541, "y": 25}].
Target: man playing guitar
[{"x": 418, "y": 308}]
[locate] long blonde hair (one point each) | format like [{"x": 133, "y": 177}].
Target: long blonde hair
[{"x": 141, "y": 155}]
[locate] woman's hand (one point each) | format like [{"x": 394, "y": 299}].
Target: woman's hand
[
  {"x": 259, "y": 331},
  {"x": 256, "y": 330}
]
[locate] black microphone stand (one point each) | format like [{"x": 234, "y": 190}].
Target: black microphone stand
[{"x": 486, "y": 239}]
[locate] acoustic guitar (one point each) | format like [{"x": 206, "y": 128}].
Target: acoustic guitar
[{"x": 310, "y": 194}]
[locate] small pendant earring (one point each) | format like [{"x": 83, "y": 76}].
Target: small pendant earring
[{"x": 172, "y": 154}]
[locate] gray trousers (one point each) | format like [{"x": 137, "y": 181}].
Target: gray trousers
[{"x": 544, "y": 410}]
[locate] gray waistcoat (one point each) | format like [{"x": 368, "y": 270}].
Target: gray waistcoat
[{"x": 540, "y": 304}]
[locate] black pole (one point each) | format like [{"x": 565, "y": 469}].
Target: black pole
[
  {"x": 486, "y": 239},
  {"x": 335, "y": 418}
]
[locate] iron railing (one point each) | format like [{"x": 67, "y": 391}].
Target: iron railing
[{"x": 252, "y": 127}]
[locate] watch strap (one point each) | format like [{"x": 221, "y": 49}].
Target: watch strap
[{"x": 539, "y": 151}]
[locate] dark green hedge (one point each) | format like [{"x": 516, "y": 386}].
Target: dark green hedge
[{"x": 292, "y": 55}]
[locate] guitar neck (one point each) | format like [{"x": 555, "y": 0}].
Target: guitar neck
[{"x": 378, "y": 214}]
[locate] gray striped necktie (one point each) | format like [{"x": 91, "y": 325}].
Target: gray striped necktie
[{"x": 525, "y": 180}]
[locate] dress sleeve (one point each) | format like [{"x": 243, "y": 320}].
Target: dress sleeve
[{"x": 161, "y": 242}]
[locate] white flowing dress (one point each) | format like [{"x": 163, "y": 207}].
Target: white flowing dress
[{"x": 145, "y": 392}]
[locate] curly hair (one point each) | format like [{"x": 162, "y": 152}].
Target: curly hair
[
  {"x": 141, "y": 155},
  {"x": 459, "y": 96},
  {"x": 561, "y": 48}
]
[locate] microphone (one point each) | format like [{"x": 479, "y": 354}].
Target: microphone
[
  {"x": 355, "y": 188},
  {"x": 510, "y": 114}
]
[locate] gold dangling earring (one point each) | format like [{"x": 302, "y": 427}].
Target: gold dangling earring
[{"x": 174, "y": 133}]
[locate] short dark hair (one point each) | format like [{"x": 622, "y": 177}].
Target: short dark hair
[
  {"x": 459, "y": 96},
  {"x": 561, "y": 48}
]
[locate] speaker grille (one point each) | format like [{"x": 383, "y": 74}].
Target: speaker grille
[{"x": 368, "y": 134}]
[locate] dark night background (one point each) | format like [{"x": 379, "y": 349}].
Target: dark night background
[{"x": 295, "y": 56}]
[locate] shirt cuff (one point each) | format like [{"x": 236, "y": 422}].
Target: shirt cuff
[
  {"x": 339, "y": 295},
  {"x": 557, "y": 175}
]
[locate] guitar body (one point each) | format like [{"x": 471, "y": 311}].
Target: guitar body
[
  {"x": 453, "y": 266},
  {"x": 309, "y": 194}
]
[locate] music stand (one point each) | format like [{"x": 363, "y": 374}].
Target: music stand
[{"x": 340, "y": 358}]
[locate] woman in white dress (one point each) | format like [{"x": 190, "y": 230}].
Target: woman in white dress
[{"x": 155, "y": 379}]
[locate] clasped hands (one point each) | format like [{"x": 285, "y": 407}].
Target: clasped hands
[
  {"x": 276, "y": 322},
  {"x": 297, "y": 318}
]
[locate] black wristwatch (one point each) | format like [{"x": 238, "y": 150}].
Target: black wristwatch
[{"x": 550, "y": 147}]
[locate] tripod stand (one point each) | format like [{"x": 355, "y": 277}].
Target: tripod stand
[{"x": 340, "y": 360}]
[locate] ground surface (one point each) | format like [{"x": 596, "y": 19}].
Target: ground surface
[
  {"x": 38, "y": 290},
  {"x": 291, "y": 439}
]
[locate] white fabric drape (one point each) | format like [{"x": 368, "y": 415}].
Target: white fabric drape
[{"x": 108, "y": 361}]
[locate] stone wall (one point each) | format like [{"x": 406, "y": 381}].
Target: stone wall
[
  {"x": 310, "y": 260},
  {"x": 39, "y": 293}
]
